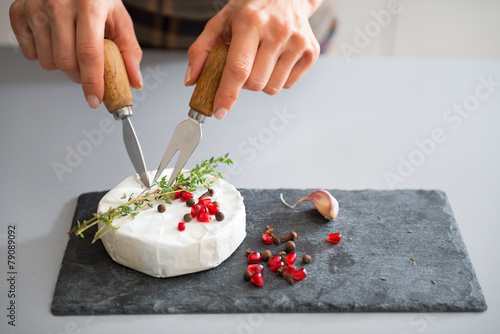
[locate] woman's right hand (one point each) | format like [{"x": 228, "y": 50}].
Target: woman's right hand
[{"x": 68, "y": 35}]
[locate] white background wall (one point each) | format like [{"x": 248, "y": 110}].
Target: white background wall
[
  {"x": 424, "y": 28},
  {"x": 428, "y": 28}
]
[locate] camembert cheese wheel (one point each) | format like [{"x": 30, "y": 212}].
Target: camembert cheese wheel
[{"x": 152, "y": 243}]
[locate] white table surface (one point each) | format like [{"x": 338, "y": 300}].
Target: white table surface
[{"x": 348, "y": 124}]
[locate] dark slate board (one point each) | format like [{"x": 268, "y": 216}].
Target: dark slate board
[{"x": 345, "y": 277}]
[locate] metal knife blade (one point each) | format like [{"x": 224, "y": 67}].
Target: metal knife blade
[
  {"x": 118, "y": 100},
  {"x": 187, "y": 134},
  {"x": 134, "y": 150}
]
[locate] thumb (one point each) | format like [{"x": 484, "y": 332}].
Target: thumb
[{"x": 120, "y": 30}]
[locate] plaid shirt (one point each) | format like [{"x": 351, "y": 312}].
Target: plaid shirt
[{"x": 175, "y": 24}]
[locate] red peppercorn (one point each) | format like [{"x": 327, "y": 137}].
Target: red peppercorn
[
  {"x": 267, "y": 238},
  {"x": 254, "y": 257},
  {"x": 334, "y": 237}
]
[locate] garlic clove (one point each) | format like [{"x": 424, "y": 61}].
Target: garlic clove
[{"x": 322, "y": 200}]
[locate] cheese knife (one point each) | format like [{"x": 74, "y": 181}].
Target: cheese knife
[
  {"x": 118, "y": 100},
  {"x": 187, "y": 134}
]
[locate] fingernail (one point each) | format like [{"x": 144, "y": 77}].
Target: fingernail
[
  {"x": 188, "y": 75},
  {"x": 220, "y": 113},
  {"x": 93, "y": 101},
  {"x": 141, "y": 82}
]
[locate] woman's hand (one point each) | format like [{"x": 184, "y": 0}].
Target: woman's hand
[
  {"x": 271, "y": 47},
  {"x": 68, "y": 35}
]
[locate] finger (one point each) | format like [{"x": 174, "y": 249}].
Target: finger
[
  {"x": 198, "y": 52},
  {"x": 40, "y": 27},
  {"x": 240, "y": 59},
  {"x": 265, "y": 61},
  {"x": 63, "y": 48},
  {"x": 281, "y": 72},
  {"x": 308, "y": 58},
  {"x": 90, "y": 53},
  {"x": 23, "y": 32},
  {"x": 120, "y": 29},
  {"x": 298, "y": 71}
]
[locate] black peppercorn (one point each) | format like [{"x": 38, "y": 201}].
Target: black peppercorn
[
  {"x": 290, "y": 246},
  {"x": 190, "y": 202},
  {"x": 266, "y": 255},
  {"x": 306, "y": 258},
  {"x": 162, "y": 208},
  {"x": 187, "y": 217},
  {"x": 219, "y": 216}
]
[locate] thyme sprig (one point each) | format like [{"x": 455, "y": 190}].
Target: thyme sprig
[{"x": 202, "y": 175}]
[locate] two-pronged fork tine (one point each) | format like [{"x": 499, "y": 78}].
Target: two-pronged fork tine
[
  {"x": 186, "y": 137},
  {"x": 187, "y": 134}
]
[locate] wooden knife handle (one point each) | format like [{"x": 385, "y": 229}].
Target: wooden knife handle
[
  {"x": 203, "y": 96},
  {"x": 117, "y": 93}
]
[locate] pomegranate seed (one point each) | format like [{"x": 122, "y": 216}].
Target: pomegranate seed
[
  {"x": 334, "y": 237},
  {"x": 290, "y": 270},
  {"x": 257, "y": 279},
  {"x": 212, "y": 209},
  {"x": 267, "y": 238},
  {"x": 178, "y": 194},
  {"x": 203, "y": 208},
  {"x": 195, "y": 210},
  {"x": 205, "y": 201},
  {"x": 181, "y": 227},
  {"x": 254, "y": 257},
  {"x": 275, "y": 266},
  {"x": 300, "y": 274},
  {"x": 185, "y": 195},
  {"x": 274, "y": 259},
  {"x": 291, "y": 257},
  {"x": 255, "y": 268},
  {"x": 204, "y": 217}
]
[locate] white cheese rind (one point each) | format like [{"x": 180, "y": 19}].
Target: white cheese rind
[{"x": 151, "y": 242}]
